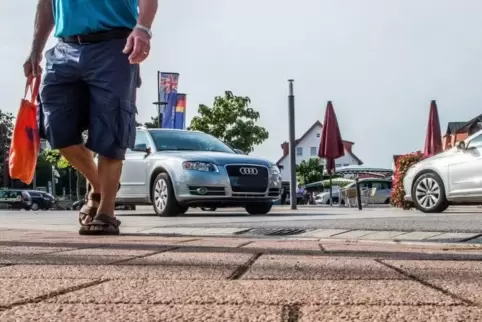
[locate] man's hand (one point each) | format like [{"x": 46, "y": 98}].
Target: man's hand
[
  {"x": 31, "y": 67},
  {"x": 138, "y": 46}
]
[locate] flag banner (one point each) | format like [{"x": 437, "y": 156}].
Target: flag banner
[
  {"x": 180, "y": 116},
  {"x": 168, "y": 94}
]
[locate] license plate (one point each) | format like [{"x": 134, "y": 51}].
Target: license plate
[{"x": 245, "y": 181}]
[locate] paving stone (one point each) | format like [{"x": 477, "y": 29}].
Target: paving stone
[
  {"x": 451, "y": 237},
  {"x": 25, "y": 255},
  {"x": 390, "y": 313},
  {"x": 418, "y": 235},
  {"x": 172, "y": 231},
  {"x": 354, "y": 234},
  {"x": 383, "y": 235},
  {"x": 18, "y": 290},
  {"x": 288, "y": 245},
  {"x": 450, "y": 270},
  {"x": 219, "y": 231},
  {"x": 324, "y": 233},
  {"x": 270, "y": 267},
  {"x": 190, "y": 265},
  {"x": 240, "y": 292},
  {"x": 217, "y": 242},
  {"x": 136, "y": 313},
  {"x": 461, "y": 278},
  {"x": 92, "y": 256}
]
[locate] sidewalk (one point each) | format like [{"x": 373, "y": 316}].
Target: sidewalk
[{"x": 59, "y": 276}]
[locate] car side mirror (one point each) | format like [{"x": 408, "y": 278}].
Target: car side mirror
[
  {"x": 142, "y": 148},
  {"x": 238, "y": 151},
  {"x": 460, "y": 145}
]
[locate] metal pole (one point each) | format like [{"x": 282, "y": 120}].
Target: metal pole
[
  {"x": 331, "y": 191},
  {"x": 70, "y": 184},
  {"x": 291, "y": 117},
  {"x": 53, "y": 181},
  {"x": 358, "y": 195}
]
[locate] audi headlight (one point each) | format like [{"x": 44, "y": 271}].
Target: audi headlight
[
  {"x": 200, "y": 166},
  {"x": 275, "y": 170}
]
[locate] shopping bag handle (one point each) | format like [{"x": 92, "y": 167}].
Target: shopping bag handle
[{"x": 33, "y": 83}]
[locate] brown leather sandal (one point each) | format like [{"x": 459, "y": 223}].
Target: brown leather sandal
[
  {"x": 88, "y": 212},
  {"x": 101, "y": 225}
]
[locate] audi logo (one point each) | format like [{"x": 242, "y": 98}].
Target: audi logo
[{"x": 248, "y": 171}]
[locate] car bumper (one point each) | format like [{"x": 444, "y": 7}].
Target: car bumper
[
  {"x": 407, "y": 186},
  {"x": 201, "y": 188}
]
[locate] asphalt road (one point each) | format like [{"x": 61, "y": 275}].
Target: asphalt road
[{"x": 460, "y": 219}]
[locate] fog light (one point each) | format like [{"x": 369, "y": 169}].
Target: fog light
[{"x": 202, "y": 190}]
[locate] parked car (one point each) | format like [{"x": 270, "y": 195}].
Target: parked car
[
  {"x": 41, "y": 200},
  {"x": 79, "y": 203},
  {"x": 177, "y": 169},
  {"x": 15, "y": 199},
  {"x": 382, "y": 194},
  {"x": 450, "y": 177}
]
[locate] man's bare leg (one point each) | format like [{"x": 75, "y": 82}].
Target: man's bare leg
[
  {"x": 82, "y": 159},
  {"x": 109, "y": 172}
]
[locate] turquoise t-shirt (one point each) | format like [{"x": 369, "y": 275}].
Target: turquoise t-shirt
[{"x": 80, "y": 17}]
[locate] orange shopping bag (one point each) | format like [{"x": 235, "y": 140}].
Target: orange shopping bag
[{"x": 25, "y": 139}]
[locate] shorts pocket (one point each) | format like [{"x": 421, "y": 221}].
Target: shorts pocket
[{"x": 126, "y": 133}]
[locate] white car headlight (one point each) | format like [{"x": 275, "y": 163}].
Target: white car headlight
[
  {"x": 200, "y": 166},
  {"x": 275, "y": 170}
]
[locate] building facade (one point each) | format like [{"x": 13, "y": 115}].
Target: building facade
[
  {"x": 458, "y": 131},
  {"x": 307, "y": 147}
]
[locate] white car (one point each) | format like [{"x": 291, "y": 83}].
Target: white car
[{"x": 382, "y": 195}]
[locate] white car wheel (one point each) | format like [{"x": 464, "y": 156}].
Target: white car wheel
[
  {"x": 35, "y": 206},
  {"x": 428, "y": 194},
  {"x": 161, "y": 195}
]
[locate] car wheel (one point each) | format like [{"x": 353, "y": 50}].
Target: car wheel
[
  {"x": 164, "y": 200},
  {"x": 387, "y": 201},
  {"x": 132, "y": 207},
  {"x": 259, "y": 209},
  {"x": 208, "y": 209},
  {"x": 35, "y": 206},
  {"x": 429, "y": 194}
]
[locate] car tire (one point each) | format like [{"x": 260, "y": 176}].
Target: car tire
[
  {"x": 428, "y": 194},
  {"x": 259, "y": 208},
  {"x": 163, "y": 198},
  {"x": 35, "y": 206}
]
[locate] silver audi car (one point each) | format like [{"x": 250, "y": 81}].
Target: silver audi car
[
  {"x": 451, "y": 177},
  {"x": 177, "y": 169}
]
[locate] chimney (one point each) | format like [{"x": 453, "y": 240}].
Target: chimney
[
  {"x": 348, "y": 146},
  {"x": 286, "y": 148}
]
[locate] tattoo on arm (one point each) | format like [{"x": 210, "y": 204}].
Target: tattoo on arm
[{"x": 44, "y": 23}]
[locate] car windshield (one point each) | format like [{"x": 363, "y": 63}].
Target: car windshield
[{"x": 187, "y": 141}]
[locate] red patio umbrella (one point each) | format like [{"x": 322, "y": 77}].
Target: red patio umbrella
[
  {"x": 331, "y": 144},
  {"x": 433, "y": 140}
]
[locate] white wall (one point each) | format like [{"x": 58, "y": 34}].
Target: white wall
[{"x": 312, "y": 139}]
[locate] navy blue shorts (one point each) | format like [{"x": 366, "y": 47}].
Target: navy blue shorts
[{"x": 89, "y": 87}]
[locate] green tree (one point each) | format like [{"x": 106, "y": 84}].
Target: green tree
[
  {"x": 309, "y": 171},
  {"x": 6, "y": 129},
  {"x": 231, "y": 120},
  {"x": 153, "y": 123}
]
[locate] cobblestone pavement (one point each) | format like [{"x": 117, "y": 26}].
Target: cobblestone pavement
[{"x": 59, "y": 276}]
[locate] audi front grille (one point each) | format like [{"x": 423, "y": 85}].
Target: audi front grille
[{"x": 248, "y": 178}]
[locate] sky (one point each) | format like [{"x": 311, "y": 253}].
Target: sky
[{"x": 380, "y": 62}]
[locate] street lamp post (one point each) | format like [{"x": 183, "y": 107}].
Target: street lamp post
[
  {"x": 160, "y": 115},
  {"x": 3, "y": 142},
  {"x": 291, "y": 117}
]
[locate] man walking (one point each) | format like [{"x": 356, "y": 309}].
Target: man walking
[{"x": 89, "y": 83}]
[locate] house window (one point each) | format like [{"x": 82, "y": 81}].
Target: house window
[
  {"x": 317, "y": 135},
  {"x": 313, "y": 151},
  {"x": 299, "y": 151}
]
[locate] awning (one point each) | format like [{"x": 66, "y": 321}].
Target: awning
[{"x": 355, "y": 169}]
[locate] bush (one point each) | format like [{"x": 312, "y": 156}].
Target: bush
[{"x": 402, "y": 165}]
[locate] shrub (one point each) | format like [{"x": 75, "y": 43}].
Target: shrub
[{"x": 402, "y": 165}]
